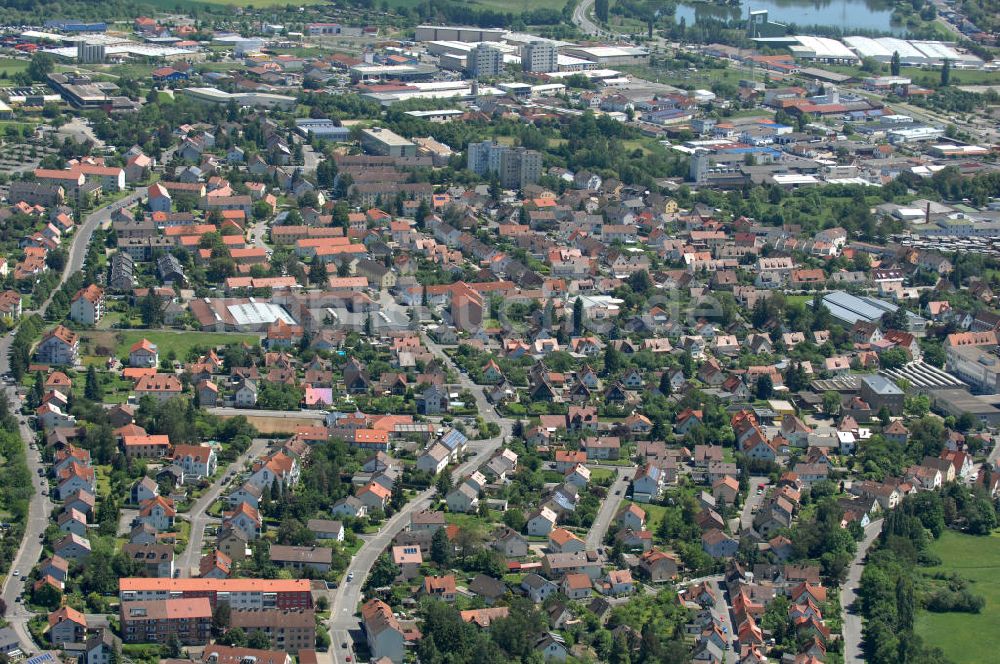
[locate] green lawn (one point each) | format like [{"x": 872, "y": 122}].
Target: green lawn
[
  {"x": 12, "y": 66},
  {"x": 182, "y": 342},
  {"x": 967, "y": 638},
  {"x": 177, "y": 5},
  {"x": 654, "y": 514},
  {"x": 512, "y": 6},
  {"x": 600, "y": 474},
  {"x": 466, "y": 520}
]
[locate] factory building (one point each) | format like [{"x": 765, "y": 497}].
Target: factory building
[
  {"x": 379, "y": 141},
  {"x": 426, "y": 33}
]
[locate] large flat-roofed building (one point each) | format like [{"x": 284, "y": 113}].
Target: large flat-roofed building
[
  {"x": 254, "y": 99},
  {"x": 880, "y": 392},
  {"x": 380, "y": 141},
  {"x": 322, "y": 128},
  {"x": 81, "y": 92},
  {"x": 957, "y": 402},
  {"x": 610, "y": 55},
  {"x": 239, "y": 314},
  {"x": 822, "y": 49},
  {"x": 978, "y": 366},
  {"x": 414, "y": 72},
  {"x": 237, "y": 593},
  {"x": 456, "y": 33},
  {"x": 853, "y": 308}
]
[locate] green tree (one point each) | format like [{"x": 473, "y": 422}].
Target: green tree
[
  {"x": 92, "y": 389},
  {"x": 258, "y": 640},
  {"x": 37, "y": 390},
  {"x": 383, "y": 573},
  {"x": 945, "y": 73},
  {"x": 172, "y": 649},
  {"x": 41, "y": 66},
  {"x": 894, "y": 358},
  {"x": 423, "y": 211},
  {"x": 601, "y": 10},
  {"x": 515, "y": 519},
  {"x": 441, "y": 548},
  {"x": 317, "y": 272},
  {"x": 151, "y": 309},
  {"x": 612, "y": 360},
  {"x": 831, "y": 403},
  {"x": 765, "y": 386},
  {"x": 665, "y": 386},
  {"x": 578, "y": 316},
  {"x": 221, "y": 619}
]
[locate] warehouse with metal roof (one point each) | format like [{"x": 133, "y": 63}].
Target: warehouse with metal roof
[{"x": 853, "y": 308}]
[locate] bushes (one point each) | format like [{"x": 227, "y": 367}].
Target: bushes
[{"x": 962, "y": 601}]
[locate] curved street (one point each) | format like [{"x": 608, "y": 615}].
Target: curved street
[
  {"x": 198, "y": 517},
  {"x": 345, "y": 599},
  {"x": 40, "y": 507},
  {"x": 582, "y": 20}
]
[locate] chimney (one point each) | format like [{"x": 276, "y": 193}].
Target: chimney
[{"x": 927, "y": 213}]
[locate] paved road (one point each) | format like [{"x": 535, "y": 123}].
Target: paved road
[
  {"x": 310, "y": 159},
  {"x": 746, "y": 516},
  {"x": 616, "y": 493},
  {"x": 848, "y": 593},
  {"x": 581, "y": 19},
  {"x": 40, "y": 507},
  {"x": 722, "y": 610},
  {"x": 197, "y": 514},
  {"x": 344, "y": 601}
]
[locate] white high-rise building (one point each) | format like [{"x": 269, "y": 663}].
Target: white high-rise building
[
  {"x": 484, "y": 61},
  {"x": 540, "y": 57}
]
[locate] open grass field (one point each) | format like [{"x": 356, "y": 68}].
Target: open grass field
[
  {"x": 511, "y": 6},
  {"x": 967, "y": 638},
  {"x": 181, "y": 342},
  {"x": 928, "y": 77},
  {"x": 174, "y": 5},
  {"x": 10, "y": 66}
]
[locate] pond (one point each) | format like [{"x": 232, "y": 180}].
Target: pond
[{"x": 845, "y": 14}]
